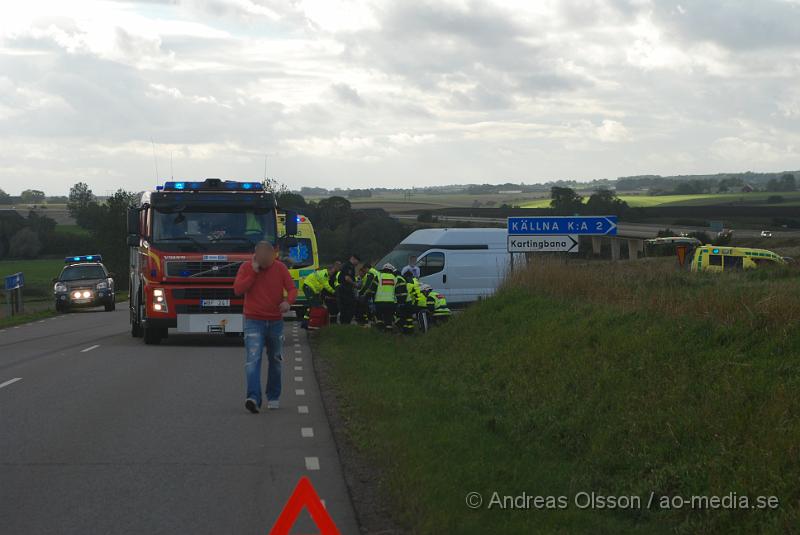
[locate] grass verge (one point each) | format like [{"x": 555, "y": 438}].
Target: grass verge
[
  {"x": 26, "y": 317},
  {"x": 553, "y": 389}
]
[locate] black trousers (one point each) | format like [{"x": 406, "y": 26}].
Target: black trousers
[
  {"x": 384, "y": 315},
  {"x": 332, "y": 305},
  {"x": 347, "y": 305}
]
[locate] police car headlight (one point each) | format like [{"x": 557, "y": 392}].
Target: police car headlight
[
  {"x": 60, "y": 287},
  {"x": 102, "y": 285}
]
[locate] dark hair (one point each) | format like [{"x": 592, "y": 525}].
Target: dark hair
[{"x": 354, "y": 255}]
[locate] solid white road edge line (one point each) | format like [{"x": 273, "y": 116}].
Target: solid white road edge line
[{"x": 90, "y": 348}]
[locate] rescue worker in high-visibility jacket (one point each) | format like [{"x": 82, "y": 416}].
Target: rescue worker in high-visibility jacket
[
  {"x": 314, "y": 286},
  {"x": 437, "y": 305},
  {"x": 404, "y": 317},
  {"x": 366, "y": 293},
  {"x": 331, "y": 303},
  {"x": 385, "y": 297},
  {"x": 407, "y": 312}
]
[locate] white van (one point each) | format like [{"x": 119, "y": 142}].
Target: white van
[{"x": 465, "y": 264}]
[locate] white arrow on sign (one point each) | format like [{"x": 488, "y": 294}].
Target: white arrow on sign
[{"x": 560, "y": 243}]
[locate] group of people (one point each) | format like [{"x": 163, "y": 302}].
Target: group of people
[{"x": 387, "y": 298}]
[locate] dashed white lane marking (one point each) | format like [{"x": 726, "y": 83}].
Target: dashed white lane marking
[
  {"x": 40, "y": 321},
  {"x": 302, "y": 409},
  {"x": 312, "y": 463},
  {"x": 300, "y": 392},
  {"x": 16, "y": 326},
  {"x": 10, "y": 382},
  {"x": 90, "y": 348},
  {"x": 298, "y": 379},
  {"x": 298, "y": 368},
  {"x": 307, "y": 432},
  {"x": 297, "y": 351},
  {"x": 298, "y": 359}
]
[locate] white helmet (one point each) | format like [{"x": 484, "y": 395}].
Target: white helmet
[
  {"x": 387, "y": 265},
  {"x": 425, "y": 287}
]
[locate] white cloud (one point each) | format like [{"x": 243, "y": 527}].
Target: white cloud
[{"x": 374, "y": 93}]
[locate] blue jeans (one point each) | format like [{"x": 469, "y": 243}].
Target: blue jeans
[{"x": 257, "y": 334}]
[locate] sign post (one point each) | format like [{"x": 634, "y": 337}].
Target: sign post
[
  {"x": 13, "y": 287},
  {"x": 555, "y": 234}
]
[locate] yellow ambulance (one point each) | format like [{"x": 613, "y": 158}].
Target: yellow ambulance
[
  {"x": 303, "y": 258},
  {"x": 715, "y": 258}
]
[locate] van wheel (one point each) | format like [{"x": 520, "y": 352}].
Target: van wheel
[{"x": 151, "y": 335}]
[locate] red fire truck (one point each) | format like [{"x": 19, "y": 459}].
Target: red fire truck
[{"x": 187, "y": 240}]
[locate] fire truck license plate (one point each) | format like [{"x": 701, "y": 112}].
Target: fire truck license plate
[{"x": 215, "y": 302}]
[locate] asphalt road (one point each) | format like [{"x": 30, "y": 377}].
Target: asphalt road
[{"x": 102, "y": 434}]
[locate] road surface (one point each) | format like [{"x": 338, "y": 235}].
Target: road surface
[{"x": 102, "y": 434}]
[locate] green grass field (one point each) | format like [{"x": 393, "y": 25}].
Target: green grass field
[
  {"x": 624, "y": 380},
  {"x": 72, "y": 229},
  {"x": 38, "y": 274}
]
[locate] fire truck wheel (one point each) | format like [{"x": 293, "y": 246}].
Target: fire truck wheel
[{"x": 136, "y": 330}]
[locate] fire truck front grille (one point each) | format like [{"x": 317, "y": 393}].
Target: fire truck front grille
[
  {"x": 204, "y": 293},
  {"x": 202, "y": 269},
  {"x": 198, "y": 309}
]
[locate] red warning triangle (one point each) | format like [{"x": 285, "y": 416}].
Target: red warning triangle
[{"x": 304, "y": 495}]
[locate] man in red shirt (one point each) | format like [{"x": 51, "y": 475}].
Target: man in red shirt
[{"x": 268, "y": 292}]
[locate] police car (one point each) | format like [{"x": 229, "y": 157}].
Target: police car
[{"x": 84, "y": 282}]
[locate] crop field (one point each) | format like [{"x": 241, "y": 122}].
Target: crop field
[{"x": 711, "y": 199}]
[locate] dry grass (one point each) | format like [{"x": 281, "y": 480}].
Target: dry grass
[{"x": 767, "y": 298}]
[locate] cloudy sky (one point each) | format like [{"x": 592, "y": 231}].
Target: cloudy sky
[{"x": 394, "y": 93}]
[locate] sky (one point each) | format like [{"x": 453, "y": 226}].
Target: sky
[{"x": 394, "y": 94}]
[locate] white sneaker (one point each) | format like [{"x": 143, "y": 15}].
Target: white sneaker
[{"x": 274, "y": 404}]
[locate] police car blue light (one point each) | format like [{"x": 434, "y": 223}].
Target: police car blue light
[{"x": 83, "y": 258}]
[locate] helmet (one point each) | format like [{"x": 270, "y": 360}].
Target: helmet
[
  {"x": 388, "y": 266},
  {"x": 406, "y": 269},
  {"x": 425, "y": 287}
]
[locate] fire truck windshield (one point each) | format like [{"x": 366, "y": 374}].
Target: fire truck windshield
[{"x": 188, "y": 231}]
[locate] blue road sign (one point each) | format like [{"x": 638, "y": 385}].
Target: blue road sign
[
  {"x": 584, "y": 225},
  {"x": 17, "y": 280}
]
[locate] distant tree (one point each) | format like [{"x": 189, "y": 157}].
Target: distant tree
[
  {"x": 43, "y": 226},
  {"x": 359, "y": 193},
  {"x": 80, "y": 198},
  {"x": 788, "y": 182},
  {"x": 25, "y": 244},
  {"x": 5, "y": 198},
  {"x": 291, "y": 201},
  {"x": 606, "y": 201},
  {"x": 666, "y": 233},
  {"x": 566, "y": 199},
  {"x": 31, "y": 196},
  {"x": 330, "y": 212}
]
